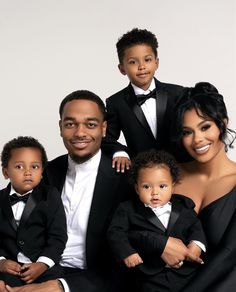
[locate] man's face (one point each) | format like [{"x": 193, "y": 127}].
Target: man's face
[{"x": 82, "y": 128}]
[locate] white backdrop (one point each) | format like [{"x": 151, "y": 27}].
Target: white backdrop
[{"x": 50, "y": 48}]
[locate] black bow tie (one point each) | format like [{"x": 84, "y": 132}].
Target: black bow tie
[
  {"x": 141, "y": 98},
  {"x": 15, "y": 199}
]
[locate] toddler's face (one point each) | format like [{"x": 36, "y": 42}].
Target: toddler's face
[
  {"x": 139, "y": 64},
  {"x": 24, "y": 169},
  {"x": 154, "y": 185}
]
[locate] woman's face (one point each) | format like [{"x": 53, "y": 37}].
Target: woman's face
[{"x": 201, "y": 136}]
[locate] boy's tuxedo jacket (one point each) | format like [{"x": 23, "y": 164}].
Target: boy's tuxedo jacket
[
  {"x": 136, "y": 228},
  {"x": 42, "y": 228},
  {"x": 124, "y": 114},
  {"x": 110, "y": 188}
]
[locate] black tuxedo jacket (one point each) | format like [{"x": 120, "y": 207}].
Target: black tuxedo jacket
[
  {"x": 42, "y": 228},
  {"x": 124, "y": 114},
  {"x": 132, "y": 216},
  {"x": 110, "y": 188}
]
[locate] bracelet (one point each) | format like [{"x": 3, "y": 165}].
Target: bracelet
[{"x": 60, "y": 285}]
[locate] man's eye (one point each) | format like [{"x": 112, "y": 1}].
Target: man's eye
[
  {"x": 69, "y": 125},
  {"x": 91, "y": 125}
]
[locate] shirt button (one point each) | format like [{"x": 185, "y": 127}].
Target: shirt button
[{"x": 21, "y": 242}]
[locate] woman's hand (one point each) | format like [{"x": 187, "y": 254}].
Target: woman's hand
[{"x": 176, "y": 252}]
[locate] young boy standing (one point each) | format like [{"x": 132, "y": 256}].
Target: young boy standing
[
  {"x": 33, "y": 225},
  {"x": 141, "y": 228},
  {"x": 142, "y": 110}
]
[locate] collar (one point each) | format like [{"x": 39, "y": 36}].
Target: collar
[
  {"x": 138, "y": 90},
  {"x": 13, "y": 191},
  {"x": 160, "y": 209}
]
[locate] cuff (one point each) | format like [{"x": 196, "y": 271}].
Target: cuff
[
  {"x": 64, "y": 285},
  {"x": 200, "y": 244},
  {"x": 47, "y": 261},
  {"x": 121, "y": 154}
]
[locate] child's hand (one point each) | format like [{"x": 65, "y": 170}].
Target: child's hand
[
  {"x": 30, "y": 272},
  {"x": 9, "y": 267},
  {"x": 195, "y": 250},
  {"x": 133, "y": 260},
  {"x": 121, "y": 163}
]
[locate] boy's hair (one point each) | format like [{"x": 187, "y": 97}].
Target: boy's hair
[
  {"x": 136, "y": 37},
  {"x": 22, "y": 142},
  {"x": 83, "y": 94},
  {"x": 152, "y": 158}
]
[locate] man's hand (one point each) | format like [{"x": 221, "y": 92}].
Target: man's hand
[
  {"x": 9, "y": 267},
  {"x": 133, "y": 260},
  {"x": 30, "y": 272},
  {"x": 121, "y": 163},
  {"x": 49, "y": 286},
  {"x": 175, "y": 252}
]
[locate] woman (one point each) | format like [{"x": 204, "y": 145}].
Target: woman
[{"x": 210, "y": 181}]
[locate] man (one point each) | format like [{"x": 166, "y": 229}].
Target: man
[{"x": 90, "y": 191}]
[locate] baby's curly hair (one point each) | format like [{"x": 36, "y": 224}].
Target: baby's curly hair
[
  {"x": 136, "y": 37},
  {"x": 152, "y": 158},
  {"x": 21, "y": 142}
]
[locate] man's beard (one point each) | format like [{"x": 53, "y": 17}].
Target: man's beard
[{"x": 77, "y": 159}]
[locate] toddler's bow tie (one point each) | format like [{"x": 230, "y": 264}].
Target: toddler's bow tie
[{"x": 15, "y": 198}]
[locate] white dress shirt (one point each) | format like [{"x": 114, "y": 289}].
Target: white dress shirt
[
  {"x": 77, "y": 197},
  {"x": 149, "y": 106}
]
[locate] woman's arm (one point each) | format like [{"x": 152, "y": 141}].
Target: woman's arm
[{"x": 219, "y": 264}]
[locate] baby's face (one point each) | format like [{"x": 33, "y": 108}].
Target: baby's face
[
  {"x": 24, "y": 169},
  {"x": 139, "y": 64},
  {"x": 154, "y": 185}
]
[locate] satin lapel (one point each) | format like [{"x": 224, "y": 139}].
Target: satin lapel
[
  {"x": 175, "y": 212},
  {"x": 7, "y": 208},
  {"x": 61, "y": 173},
  {"x": 137, "y": 110},
  {"x": 161, "y": 102},
  {"x": 150, "y": 216},
  {"x": 34, "y": 198},
  {"x": 55, "y": 173}
]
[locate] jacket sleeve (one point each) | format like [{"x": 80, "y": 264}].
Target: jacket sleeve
[
  {"x": 110, "y": 143},
  {"x": 117, "y": 234}
]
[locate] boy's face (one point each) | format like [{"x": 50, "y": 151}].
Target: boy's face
[
  {"x": 139, "y": 64},
  {"x": 24, "y": 169},
  {"x": 154, "y": 185},
  {"x": 82, "y": 128}
]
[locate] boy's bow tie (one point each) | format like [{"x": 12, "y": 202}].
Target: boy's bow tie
[
  {"x": 15, "y": 199},
  {"x": 141, "y": 98}
]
